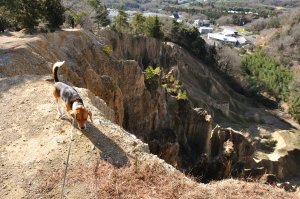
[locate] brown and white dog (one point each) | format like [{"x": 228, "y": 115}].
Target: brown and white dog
[{"x": 72, "y": 100}]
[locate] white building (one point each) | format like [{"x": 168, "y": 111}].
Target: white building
[
  {"x": 230, "y": 32},
  {"x": 228, "y": 36},
  {"x": 205, "y": 30},
  {"x": 222, "y": 38},
  {"x": 200, "y": 23}
]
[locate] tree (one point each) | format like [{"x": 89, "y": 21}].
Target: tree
[
  {"x": 25, "y": 12},
  {"x": 54, "y": 13},
  {"x": 153, "y": 27},
  {"x": 3, "y": 19},
  {"x": 265, "y": 73},
  {"x": 294, "y": 99},
  {"x": 229, "y": 61},
  {"x": 189, "y": 38},
  {"x": 7, "y": 8},
  {"x": 121, "y": 21},
  {"x": 28, "y": 13},
  {"x": 274, "y": 23},
  {"x": 138, "y": 23},
  {"x": 294, "y": 107},
  {"x": 101, "y": 17},
  {"x": 78, "y": 17}
]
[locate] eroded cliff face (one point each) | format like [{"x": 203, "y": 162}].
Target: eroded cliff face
[
  {"x": 176, "y": 130},
  {"x": 180, "y": 131},
  {"x": 231, "y": 152},
  {"x": 206, "y": 88}
]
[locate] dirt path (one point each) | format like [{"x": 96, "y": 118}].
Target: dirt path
[{"x": 34, "y": 142}]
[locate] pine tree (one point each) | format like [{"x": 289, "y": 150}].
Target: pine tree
[
  {"x": 3, "y": 18},
  {"x": 101, "y": 17},
  {"x": 157, "y": 32},
  {"x": 267, "y": 73},
  {"x": 121, "y": 21},
  {"x": 54, "y": 13},
  {"x": 138, "y": 23},
  {"x": 153, "y": 26},
  {"x": 26, "y": 13}
]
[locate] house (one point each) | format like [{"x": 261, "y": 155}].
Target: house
[
  {"x": 222, "y": 38},
  {"x": 204, "y": 22},
  {"x": 242, "y": 41},
  {"x": 230, "y": 32},
  {"x": 205, "y": 30},
  {"x": 182, "y": 1},
  {"x": 229, "y": 36},
  {"x": 199, "y": 23},
  {"x": 196, "y": 23}
]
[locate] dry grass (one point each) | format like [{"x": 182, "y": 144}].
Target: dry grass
[
  {"x": 141, "y": 180},
  {"x": 231, "y": 188},
  {"x": 137, "y": 180}
]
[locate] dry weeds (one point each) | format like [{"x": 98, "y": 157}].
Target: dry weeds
[{"x": 144, "y": 180}]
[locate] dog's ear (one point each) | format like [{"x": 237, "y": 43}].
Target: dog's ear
[
  {"x": 73, "y": 114},
  {"x": 90, "y": 114}
]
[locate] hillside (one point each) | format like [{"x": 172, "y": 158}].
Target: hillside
[
  {"x": 34, "y": 142},
  {"x": 105, "y": 161}
]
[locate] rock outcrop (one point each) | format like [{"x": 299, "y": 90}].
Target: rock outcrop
[
  {"x": 284, "y": 159},
  {"x": 230, "y": 153}
]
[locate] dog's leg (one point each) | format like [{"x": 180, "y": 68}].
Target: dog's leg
[
  {"x": 57, "y": 98},
  {"x": 71, "y": 113},
  {"x": 60, "y": 114}
]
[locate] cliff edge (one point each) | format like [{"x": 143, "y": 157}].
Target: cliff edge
[{"x": 106, "y": 161}]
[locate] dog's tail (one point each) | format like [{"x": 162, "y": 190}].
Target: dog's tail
[{"x": 55, "y": 69}]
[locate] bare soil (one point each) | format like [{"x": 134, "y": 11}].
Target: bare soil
[
  {"x": 34, "y": 142},
  {"x": 105, "y": 161}
]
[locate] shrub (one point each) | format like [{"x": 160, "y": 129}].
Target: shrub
[
  {"x": 78, "y": 17},
  {"x": 229, "y": 60},
  {"x": 257, "y": 25},
  {"x": 294, "y": 108},
  {"x": 264, "y": 73},
  {"x": 274, "y": 23},
  {"x": 173, "y": 87},
  {"x": 151, "y": 78},
  {"x": 107, "y": 50},
  {"x": 294, "y": 99},
  {"x": 181, "y": 95}
]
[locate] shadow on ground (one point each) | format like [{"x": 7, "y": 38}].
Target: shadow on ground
[{"x": 109, "y": 150}]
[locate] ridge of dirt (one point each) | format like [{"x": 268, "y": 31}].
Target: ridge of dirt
[
  {"x": 34, "y": 140},
  {"x": 105, "y": 162}
]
